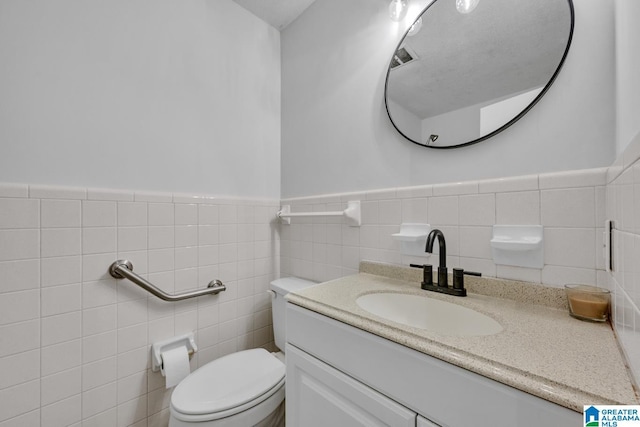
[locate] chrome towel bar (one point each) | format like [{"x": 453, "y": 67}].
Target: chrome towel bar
[{"x": 123, "y": 269}]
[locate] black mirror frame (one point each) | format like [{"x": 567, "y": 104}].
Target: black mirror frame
[{"x": 506, "y": 125}]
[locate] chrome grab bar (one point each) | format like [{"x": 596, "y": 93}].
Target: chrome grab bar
[{"x": 123, "y": 269}]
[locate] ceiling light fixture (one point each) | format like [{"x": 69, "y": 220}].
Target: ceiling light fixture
[
  {"x": 466, "y": 6},
  {"x": 398, "y": 9},
  {"x": 415, "y": 27}
]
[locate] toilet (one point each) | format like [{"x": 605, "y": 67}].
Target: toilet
[{"x": 241, "y": 389}]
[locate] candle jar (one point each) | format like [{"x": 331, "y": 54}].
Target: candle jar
[{"x": 588, "y": 302}]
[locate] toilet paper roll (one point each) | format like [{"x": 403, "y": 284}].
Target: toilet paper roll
[{"x": 175, "y": 365}]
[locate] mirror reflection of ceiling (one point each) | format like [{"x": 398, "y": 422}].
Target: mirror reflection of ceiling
[
  {"x": 277, "y": 13},
  {"x": 500, "y": 48}
]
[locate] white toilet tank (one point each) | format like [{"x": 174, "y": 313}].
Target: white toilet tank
[{"x": 280, "y": 288}]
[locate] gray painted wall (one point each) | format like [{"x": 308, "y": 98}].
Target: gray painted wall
[
  {"x": 187, "y": 90},
  {"x": 627, "y": 71},
  {"x": 336, "y": 136}
]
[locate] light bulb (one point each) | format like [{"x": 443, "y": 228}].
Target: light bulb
[
  {"x": 398, "y": 10},
  {"x": 415, "y": 27},
  {"x": 466, "y": 6}
]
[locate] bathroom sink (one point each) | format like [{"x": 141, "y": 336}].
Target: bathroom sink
[{"x": 430, "y": 314}]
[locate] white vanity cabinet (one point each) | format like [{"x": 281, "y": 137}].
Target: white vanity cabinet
[
  {"x": 423, "y": 422},
  {"x": 338, "y": 375},
  {"x": 320, "y": 396}
]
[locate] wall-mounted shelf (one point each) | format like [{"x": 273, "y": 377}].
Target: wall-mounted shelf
[
  {"x": 518, "y": 245},
  {"x": 521, "y": 244}
]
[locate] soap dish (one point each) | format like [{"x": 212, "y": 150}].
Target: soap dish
[
  {"x": 413, "y": 238},
  {"x": 588, "y": 302}
]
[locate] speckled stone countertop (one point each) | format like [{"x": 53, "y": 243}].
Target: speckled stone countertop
[{"x": 542, "y": 350}]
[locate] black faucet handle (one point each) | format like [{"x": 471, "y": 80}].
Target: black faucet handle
[
  {"x": 427, "y": 273},
  {"x": 458, "y": 277},
  {"x": 472, "y": 273}
]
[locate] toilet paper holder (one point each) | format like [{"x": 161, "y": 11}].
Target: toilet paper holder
[{"x": 186, "y": 340}]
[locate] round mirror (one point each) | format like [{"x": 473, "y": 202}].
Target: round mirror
[{"x": 459, "y": 77}]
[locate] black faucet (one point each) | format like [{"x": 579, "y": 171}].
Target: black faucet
[
  {"x": 442, "y": 267},
  {"x": 458, "y": 274}
]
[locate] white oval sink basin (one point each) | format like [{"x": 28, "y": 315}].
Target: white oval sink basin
[{"x": 430, "y": 314}]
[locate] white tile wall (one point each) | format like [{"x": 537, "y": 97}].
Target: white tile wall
[
  {"x": 623, "y": 207},
  {"x": 572, "y": 206},
  {"x": 74, "y": 342},
  {"x": 564, "y": 203}
]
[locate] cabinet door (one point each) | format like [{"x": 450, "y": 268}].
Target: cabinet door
[
  {"x": 423, "y": 422},
  {"x": 318, "y": 395}
]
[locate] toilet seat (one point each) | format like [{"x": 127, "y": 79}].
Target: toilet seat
[{"x": 227, "y": 386}]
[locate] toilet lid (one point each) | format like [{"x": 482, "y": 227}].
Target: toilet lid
[{"x": 228, "y": 382}]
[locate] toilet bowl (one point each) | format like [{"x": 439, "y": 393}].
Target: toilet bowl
[{"x": 241, "y": 389}]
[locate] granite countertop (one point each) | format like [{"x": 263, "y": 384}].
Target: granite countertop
[{"x": 542, "y": 350}]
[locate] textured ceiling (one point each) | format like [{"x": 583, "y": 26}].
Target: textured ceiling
[
  {"x": 278, "y": 13},
  {"x": 503, "y": 47}
]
